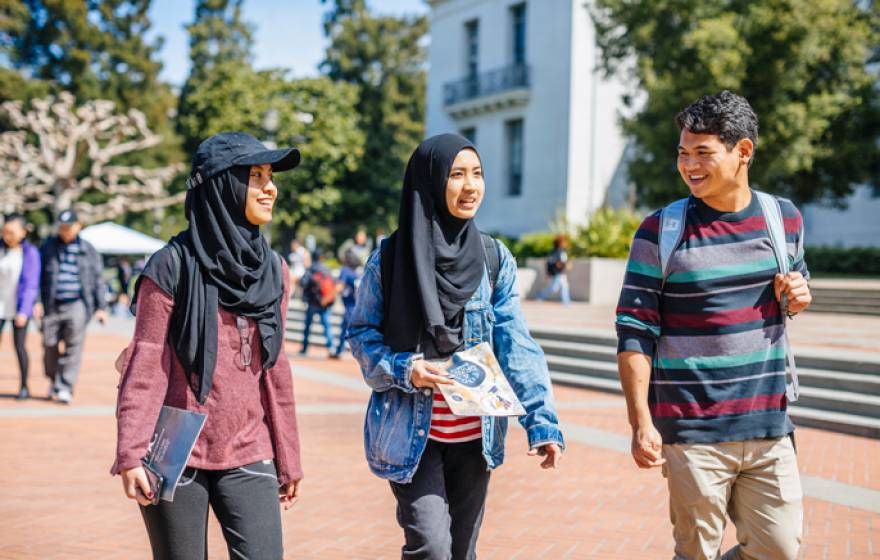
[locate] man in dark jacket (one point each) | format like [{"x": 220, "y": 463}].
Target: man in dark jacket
[{"x": 72, "y": 290}]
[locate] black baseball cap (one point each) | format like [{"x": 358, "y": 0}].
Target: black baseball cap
[
  {"x": 229, "y": 149},
  {"x": 68, "y": 217}
]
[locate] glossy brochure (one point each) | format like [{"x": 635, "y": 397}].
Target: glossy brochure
[
  {"x": 479, "y": 387},
  {"x": 171, "y": 445}
]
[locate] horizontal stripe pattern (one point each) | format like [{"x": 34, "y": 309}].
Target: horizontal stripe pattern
[
  {"x": 69, "y": 283},
  {"x": 450, "y": 428},
  {"x": 718, "y": 355}
]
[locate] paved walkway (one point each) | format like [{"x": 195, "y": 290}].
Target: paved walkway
[{"x": 57, "y": 500}]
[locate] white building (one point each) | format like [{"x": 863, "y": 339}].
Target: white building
[
  {"x": 857, "y": 226},
  {"x": 519, "y": 79}
]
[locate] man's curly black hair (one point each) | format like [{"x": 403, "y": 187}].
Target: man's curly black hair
[{"x": 725, "y": 114}]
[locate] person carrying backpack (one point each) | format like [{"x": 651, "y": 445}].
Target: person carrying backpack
[
  {"x": 209, "y": 338},
  {"x": 319, "y": 294},
  {"x": 558, "y": 266},
  {"x": 702, "y": 347},
  {"x": 438, "y": 286}
]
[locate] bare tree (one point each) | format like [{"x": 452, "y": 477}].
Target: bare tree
[{"x": 61, "y": 152}]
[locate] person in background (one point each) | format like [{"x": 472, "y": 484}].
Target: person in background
[
  {"x": 298, "y": 260},
  {"x": 123, "y": 274},
  {"x": 319, "y": 294},
  {"x": 349, "y": 278},
  {"x": 360, "y": 245},
  {"x": 558, "y": 266},
  {"x": 72, "y": 291},
  {"x": 19, "y": 287}
]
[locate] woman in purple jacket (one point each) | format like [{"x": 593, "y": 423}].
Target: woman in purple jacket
[{"x": 19, "y": 286}]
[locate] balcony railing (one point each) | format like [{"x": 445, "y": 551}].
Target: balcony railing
[{"x": 487, "y": 83}]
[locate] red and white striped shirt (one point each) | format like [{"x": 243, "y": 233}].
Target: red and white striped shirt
[{"x": 449, "y": 428}]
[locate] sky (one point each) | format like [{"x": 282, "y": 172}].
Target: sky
[{"x": 287, "y": 33}]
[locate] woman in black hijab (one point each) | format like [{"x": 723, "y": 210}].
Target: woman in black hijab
[
  {"x": 438, "y": 286},
  {"x": 210, "y": 312}
]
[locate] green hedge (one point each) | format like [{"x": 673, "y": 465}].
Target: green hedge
[
  {"x": 609, "y": 234},
  {"x": 838, "y": 260}
]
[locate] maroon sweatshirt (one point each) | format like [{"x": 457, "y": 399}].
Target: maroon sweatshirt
[{"x": 251, "y": 413}]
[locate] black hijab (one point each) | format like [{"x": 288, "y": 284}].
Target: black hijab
[
  {"x": 434, "y": 261},
  {"x": 224, "y": 261}
]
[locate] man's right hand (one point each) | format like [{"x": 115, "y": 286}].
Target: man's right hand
[
  {"x": 427, "y": 375},
  {"x": 137, "y": 486},
  {"x": 647, "y": 447},
  {"x": 38, "y": 311}
]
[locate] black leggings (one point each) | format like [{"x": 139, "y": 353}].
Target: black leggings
[
  {"x": 19, "y": 335},
  {"x": 245, "y": 501}
]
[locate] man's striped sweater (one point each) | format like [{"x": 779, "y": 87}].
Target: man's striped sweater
[{"x": 714, "y": 331}]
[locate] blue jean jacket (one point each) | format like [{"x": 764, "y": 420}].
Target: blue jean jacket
[{"x": 399, "y": 415}]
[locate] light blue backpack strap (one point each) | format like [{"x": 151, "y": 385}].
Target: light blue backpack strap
[
  {"x": 672, "y": 222},
  {"x": 776, "y": 228}
]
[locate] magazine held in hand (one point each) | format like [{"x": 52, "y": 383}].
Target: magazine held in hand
[
  {"x": 173, "y": 440},
  {"x": 479, "y": 387}
]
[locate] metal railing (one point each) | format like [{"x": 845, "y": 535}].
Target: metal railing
[{"x": 487, "y": 83}]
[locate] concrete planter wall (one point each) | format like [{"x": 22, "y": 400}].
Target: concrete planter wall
[{"x": 595, "y": 280}]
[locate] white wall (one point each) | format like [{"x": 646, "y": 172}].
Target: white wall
[{"x": 857, "y": 226}]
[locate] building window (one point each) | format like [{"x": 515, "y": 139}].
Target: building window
[
  {"x": 514, "y": 139},
  {"x": 470, "y": 133},
  {"x": 472, "y": 55},
  {"x": 518, "y": 33}
]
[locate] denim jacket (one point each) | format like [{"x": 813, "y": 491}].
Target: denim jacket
[{"x": 399, "y": 415}]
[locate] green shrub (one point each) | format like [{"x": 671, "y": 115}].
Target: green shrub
[
  {"x": 838, "y": 260},
  {"x": 533, "y": 245},
  {"x": 609, "y": 234}
]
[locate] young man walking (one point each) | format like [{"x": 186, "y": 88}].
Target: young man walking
[
  {"x": 702, "y": 351},
  {"x": 72, "y": 290}
]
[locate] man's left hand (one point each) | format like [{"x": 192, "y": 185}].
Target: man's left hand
[
  {"x": 795, "y": 288},
  {"x": 101, "y": 316},
  {"x": 552, "y": 455}
]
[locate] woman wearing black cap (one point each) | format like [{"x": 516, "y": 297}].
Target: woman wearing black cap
[
  {"x": 210, "y": 312},
  {"x": 437, "y": 287}
]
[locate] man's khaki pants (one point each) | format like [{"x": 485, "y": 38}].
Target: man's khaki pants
[{"x": 756, "y": 482}]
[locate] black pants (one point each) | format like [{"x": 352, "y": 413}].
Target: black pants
[
  {"x": 19, "y": 335},
  {"x": 441, "y": 510},
  {"x": 245, "y": 501}
]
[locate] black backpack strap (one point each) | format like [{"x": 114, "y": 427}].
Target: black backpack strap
[{"x": 493, "y": 258}]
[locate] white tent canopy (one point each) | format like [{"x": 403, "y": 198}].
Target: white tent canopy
[{"x": 113, "y": 239}]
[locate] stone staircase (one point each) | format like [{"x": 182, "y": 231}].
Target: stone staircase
[
  {"x": 838, "y": 393},
  {"x": 833, "y": 298}
]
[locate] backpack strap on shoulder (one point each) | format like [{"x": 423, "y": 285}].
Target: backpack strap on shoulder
[
  {"x": 493, "y": 258},
  {"x": 672, "y": 222},
  {"x": 776, "y": 229}
]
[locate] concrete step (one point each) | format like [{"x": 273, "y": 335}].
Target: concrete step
[
  {"x": 808, "y": 377},
  {"x": 606, "y": 352},
  {"x": 840, "y": 381},
  {"x": 846, "y": 402},
  {"x": 835, "y": 421},
  {"x": 801, "y": 414},
  {"x": 598, "y": 345},
  {"x": 847, "y": 309}
]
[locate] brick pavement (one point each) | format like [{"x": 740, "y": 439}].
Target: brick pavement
[{"x": 57, "y": 500}]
